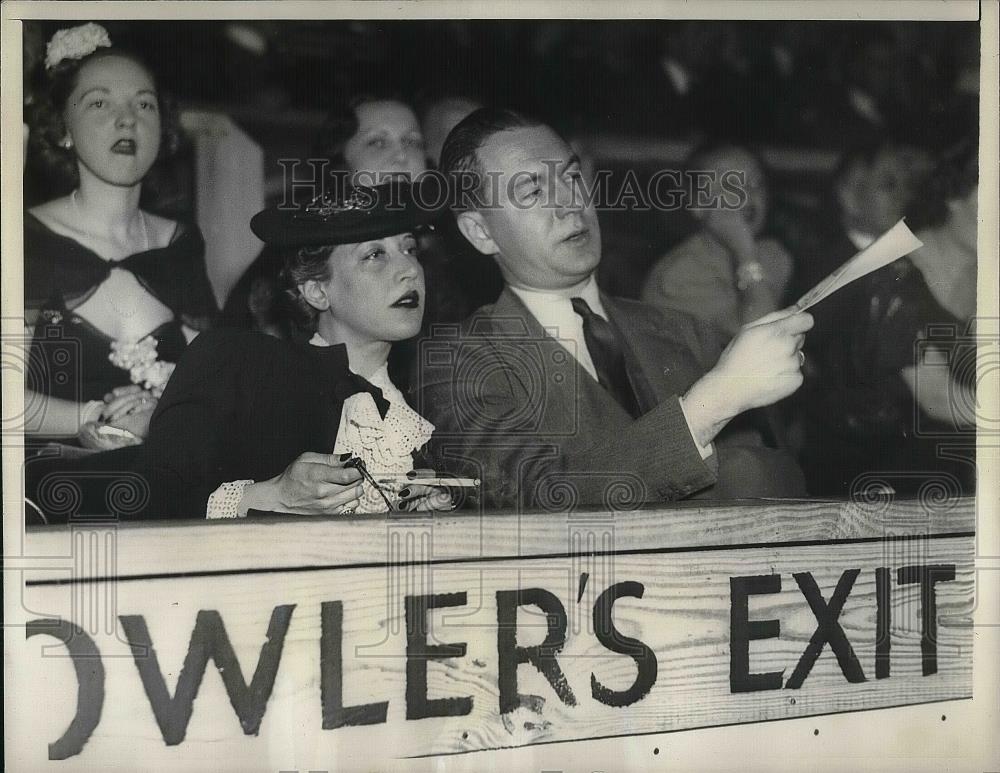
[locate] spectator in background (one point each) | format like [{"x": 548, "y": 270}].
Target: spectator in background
[
  {"x": 872, "y": 188},
  {"x": 367, "y": 134},
  {"x": 948, "y": 211},
  {"x": 913, "y": 346},
  {"x": 373, "y": 135},
  {"x": 439, "y": 117},
  {"x": 877, "y": 400},
  {"x": 726, "y": 274}
]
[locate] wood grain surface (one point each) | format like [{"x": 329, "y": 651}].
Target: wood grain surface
[
  {"x": 679, "y": 557},
  {"x": 282, "y": 542}
]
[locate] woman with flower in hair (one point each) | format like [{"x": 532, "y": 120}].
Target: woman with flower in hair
[{"x": 112, "y": 293}]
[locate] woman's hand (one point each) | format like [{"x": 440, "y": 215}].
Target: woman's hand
[
  {"x": 136, "y": 422},
  {"x": 100, "y": 438},
  {"x": 415, "y": 497},
  {"x": 125, "y": 400},
  {"x": 313, "y": 484}
]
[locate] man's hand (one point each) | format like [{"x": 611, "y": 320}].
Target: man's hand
[
  {"x": 313, "y": 484},
  {"x": 761, "y": 365}
]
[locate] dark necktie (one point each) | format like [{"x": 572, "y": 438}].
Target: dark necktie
[{"x": 608, "y": 356}]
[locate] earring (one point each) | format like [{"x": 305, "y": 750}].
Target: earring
[{"x": 66, "y": 143}]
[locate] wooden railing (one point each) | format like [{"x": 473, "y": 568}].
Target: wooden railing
[{"x": 425, "y": 636}]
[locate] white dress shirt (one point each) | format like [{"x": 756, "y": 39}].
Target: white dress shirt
[{"x": 555, "y": 314}]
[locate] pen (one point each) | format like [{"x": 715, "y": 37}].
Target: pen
[{"x": 442, "y": 482}]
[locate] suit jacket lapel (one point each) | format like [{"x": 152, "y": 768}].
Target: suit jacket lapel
[
  {"x": 647, "y": 382},
  {"x": 576, "y": 399}
]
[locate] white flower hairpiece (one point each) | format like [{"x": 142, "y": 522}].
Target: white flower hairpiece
[{"x": 75, "y": 43}]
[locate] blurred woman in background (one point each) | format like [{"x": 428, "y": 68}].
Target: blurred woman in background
[
  {"x": 113, "y": 293},
  {"x": 366, "y": 134},
  {"x": 727, "y": 274},
  {"x": 367, "y": 138},
  {"x": 373, "y": 135},
  {"x": 920, "y": 318}
]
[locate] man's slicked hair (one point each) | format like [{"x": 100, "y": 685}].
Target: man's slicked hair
[{"x": 460, "y": 152}]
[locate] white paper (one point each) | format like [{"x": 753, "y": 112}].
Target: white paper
[{"x": 890, "y": 246}]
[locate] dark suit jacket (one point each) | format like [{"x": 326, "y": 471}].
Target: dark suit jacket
[{"x": 512, "y": 407}]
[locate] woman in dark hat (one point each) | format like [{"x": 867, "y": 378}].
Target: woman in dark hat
[{"x": 249, "y": 421}]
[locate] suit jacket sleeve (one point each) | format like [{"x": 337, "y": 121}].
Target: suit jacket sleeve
[{"x": 485, "y": 426}]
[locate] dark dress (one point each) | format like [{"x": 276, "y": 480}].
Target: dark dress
[
  {"x": 69, "y": 356},
  {"x": 240, "y": 406},
  {"x": 864, "y": 425}
]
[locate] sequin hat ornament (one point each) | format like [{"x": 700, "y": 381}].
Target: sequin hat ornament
[{"x": 360, "y": 213}]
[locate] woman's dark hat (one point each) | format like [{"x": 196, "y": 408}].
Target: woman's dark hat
[{"x": 357, "y": 214}]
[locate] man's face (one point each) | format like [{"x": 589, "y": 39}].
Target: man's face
[
  {"x": 726, "y": 161},
  {"x": 543, "y": 234},
  {"x": 875, "y": 197}
]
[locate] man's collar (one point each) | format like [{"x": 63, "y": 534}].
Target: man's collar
[{"x": 535, "y": 298}]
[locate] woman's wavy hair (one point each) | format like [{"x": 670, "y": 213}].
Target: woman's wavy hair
[
  {"x": 342, "y": 123},
  {"x": 48, "y": 128},
  {"x": 302, "y": 264}
]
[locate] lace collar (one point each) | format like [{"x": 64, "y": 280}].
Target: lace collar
[{"x": 385, "y": 441}]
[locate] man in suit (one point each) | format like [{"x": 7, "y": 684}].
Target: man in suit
[{"x": 558, "y": 394}]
